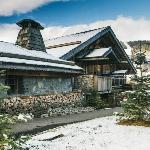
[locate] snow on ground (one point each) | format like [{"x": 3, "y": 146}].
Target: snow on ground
[{"x": 97, "y": 134}]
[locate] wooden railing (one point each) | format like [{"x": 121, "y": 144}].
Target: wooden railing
[{"x": 104, "y": 84}]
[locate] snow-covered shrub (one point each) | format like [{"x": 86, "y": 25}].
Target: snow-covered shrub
[
  {"x": 7, "y": 140},
  {"x": 137, "y": 105},
  {"x": 25, "y": 117}
]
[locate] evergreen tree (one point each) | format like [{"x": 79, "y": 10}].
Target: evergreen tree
[
  {"x": 137, "y": 104},
  {"x": 94, "y": 100}
]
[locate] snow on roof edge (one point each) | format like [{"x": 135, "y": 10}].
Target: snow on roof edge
[
  {"x": 38, "y": 63},
  {"x": 9, "y": 48}
]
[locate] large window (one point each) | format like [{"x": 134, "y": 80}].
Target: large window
[
  {"x": 99, "y": 69},
  {"x": 15, "y": 83},
  {"x": 96, "y": 69},
  {"x": 93, "y": 69},
  {"x": 118, "y": 81},
  {"x": 106, "y": 69}
]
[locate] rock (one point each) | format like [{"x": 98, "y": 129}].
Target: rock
[{"x": 44, "y": 116}]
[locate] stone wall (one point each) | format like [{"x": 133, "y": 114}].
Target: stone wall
[
  {"x": 85, "y": 82},
  {"x": 39, "y": 105},
  {"x": 41, "y": 85}
]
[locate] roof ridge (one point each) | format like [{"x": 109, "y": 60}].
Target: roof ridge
[{"x": 86, "y": 31}]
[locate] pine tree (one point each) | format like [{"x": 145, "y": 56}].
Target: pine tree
[
  {"x": 93, "y": 99},
  {"x": 137, "y": 104}
]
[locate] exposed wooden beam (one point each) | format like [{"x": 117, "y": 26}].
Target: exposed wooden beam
[
  {"x": 37, "y": 74},
  {"x": 65, "y": 44}
]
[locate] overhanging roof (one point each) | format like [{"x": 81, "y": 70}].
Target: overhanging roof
[
  {"x": 13, "y": 56},
  {"x": 101, "y": 52},
  {"x": 119, "y": 72},
  {"x": 24, "y": 64}
]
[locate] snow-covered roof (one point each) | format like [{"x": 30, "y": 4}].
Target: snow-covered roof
[
  {"x": 38, "y": 63},
  {"x": 66, "y": 47},
  {"x": 10, "y": 48},
  {"x": 54, "y": 46},
  {"x": 120, "y": 72},
  {"x": 60, "y": 51},
  {"x": 12, "y": 53},
  {"x": 98, "y": 52}
]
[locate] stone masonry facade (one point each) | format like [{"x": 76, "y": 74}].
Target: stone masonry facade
[
  {"x": 42, "y": 85},
  {"x": 85, "y": 82}
]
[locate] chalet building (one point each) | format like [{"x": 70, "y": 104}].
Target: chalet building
[
  {"x": 29, "y": 68},
  {"x": 99, "y": 52}
]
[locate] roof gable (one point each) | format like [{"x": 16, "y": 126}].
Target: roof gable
[
  {"x": 86, "y": 39},
  {"x": 62, "y": 45}
]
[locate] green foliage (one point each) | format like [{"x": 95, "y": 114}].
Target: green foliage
[
  {"x": 7, "y": 140},
  {"x": 3, "y": 88},
  {"x": 116, "y": 96},
  {"x": 140, "y": 58},
  {"x": 136, "y": 106},
  {"x": 94, "y": 99}
]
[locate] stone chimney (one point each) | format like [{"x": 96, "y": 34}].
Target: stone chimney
[{"x": 30, "y": 36}]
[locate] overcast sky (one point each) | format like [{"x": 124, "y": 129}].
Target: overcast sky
[{"x": 130, "y": 19}]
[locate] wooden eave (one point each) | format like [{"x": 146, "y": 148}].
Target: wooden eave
[
  {"x": 30, "y": 67},
  {"x": 93, "y": 59},
  {"x": 62, "y": 45},
  {"x": 121, "y": 47},
  {"x": 30, "y": 73}
]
